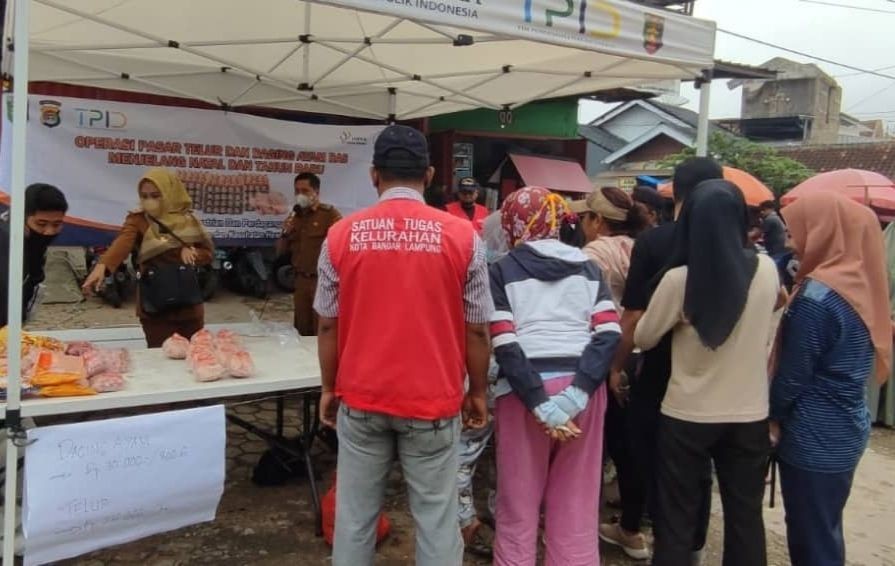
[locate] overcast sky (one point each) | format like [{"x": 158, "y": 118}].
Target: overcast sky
[{"x": 860, "y": 38}]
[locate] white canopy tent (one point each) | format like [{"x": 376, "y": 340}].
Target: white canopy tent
[
  {"x": 366, "y": 58},
  {"x": 380, "y": 59}
]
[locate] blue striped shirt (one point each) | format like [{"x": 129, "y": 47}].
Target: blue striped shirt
[{"x": 818, "y": 393}]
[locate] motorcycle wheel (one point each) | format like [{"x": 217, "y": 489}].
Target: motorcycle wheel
[
  {"x": 111, "y": 295},
  {"x": 209, "y": 282},
  {"x": 284, "y": 276}
]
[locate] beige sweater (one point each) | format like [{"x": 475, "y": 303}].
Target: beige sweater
[{"x": 727, "y": 385}]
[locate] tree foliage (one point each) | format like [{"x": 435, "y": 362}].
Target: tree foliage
[{"x": 779, "y": 173}]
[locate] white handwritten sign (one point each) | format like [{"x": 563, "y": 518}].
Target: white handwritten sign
[{"x": 96, "y": 484}]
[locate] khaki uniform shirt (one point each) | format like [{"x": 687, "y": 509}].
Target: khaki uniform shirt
[{"x": 306, "y": 236}]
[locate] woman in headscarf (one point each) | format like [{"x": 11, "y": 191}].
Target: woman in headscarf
[
  {"x": 611, "y": 220},
  {"x": 554, "y": 333},
  {"x": 164, "y": 231},
  {"x": 836, "y": 335},
  {"x": 717, "y": 298},
  {"x": 881, "y": 397}
]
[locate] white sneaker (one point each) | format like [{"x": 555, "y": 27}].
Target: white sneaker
[{"x": 634, "y": 546}]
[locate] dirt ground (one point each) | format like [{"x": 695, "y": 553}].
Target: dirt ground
[{"x": 274, "y": 525}]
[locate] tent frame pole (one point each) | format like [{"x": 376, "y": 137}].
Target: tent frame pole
[
  {"x": 702, "y": 126},
  {"x": 16, "y": 270}
]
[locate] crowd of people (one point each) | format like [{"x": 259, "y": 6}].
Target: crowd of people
[
  {"x": 569, "y": 335},
  {"x": 587, "y": 333}
]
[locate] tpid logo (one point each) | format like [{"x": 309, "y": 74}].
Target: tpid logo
[{"x": 94, "y": 119}]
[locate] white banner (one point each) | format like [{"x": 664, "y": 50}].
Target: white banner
[
  {"x": 617, "y": 27},
  {"x": 96, "y": 484},
  {"x": 238, "y": 168}
]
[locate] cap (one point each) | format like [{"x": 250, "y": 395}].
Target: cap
[
  {"x": 468, "y": 184},
  {"x": 401, "y": 147},
  {"x": 579, "y": 206},
  {"x": 597, "y": 203}
]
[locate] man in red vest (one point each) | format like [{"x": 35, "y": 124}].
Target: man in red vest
[
  {"x": 403, "y": 298},
  {"x": 467, "y": 206}
]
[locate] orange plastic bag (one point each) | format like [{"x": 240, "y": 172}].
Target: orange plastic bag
[
  {"x": 328, "y": 515},
  {"x": 54, "y": 368},
  {"x": 66, "y": 390}
]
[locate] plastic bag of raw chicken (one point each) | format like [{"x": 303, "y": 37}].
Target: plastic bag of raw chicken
[
  {"x": 203, "y": 358},
  {"x": 233, "y": 355},
  {"x": 107, "y": 382},
  {"x": 176, "y": 347},
  {"x": 97, "y": 361}
]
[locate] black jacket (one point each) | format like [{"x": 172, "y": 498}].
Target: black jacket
[{"x": 35, "y": 257}]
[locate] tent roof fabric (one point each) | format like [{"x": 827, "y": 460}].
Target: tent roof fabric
[
  {"x": 365, "y": 58},
  {"x": 553, "y": 174}
]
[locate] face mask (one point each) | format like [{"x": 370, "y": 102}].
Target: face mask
[
  {"x": 302, "y": 200},
  {"x": 152, "y": 206},
  {"x": 39, "y": 241}
]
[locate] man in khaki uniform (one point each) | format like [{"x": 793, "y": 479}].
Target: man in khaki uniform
[{"x": 303, "y": 234}]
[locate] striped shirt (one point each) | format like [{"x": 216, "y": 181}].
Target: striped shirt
[
  {"x": 818, "y": 393},
  {"x": 476, "y": 293}
]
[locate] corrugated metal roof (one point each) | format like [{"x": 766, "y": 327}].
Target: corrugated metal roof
[
  {"x": 603, "y": 138},
  {"x": 553, "y": 174}
]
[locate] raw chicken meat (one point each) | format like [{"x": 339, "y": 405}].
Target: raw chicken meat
[
  {"x": 118, "y": 361},
  {"x": 95, "y": 362},
  {"x": 229, "y": 336},
  {"x": 107, "y": 382},
  {"x": 176, "y": 347},
  {"x": 78, "y": 348},
  {"x": 205, "y": 365},
  {"x": 98, "y": 361},
  {"x": 202, "y": 338},
  {"x": 240, "y": 364}
]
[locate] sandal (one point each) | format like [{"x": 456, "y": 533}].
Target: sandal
[{"x": 477, "y": 546}]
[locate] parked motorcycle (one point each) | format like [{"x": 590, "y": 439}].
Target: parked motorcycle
[
  {"x": 118, "y": 286},
  {"x": 251, "y": 273},
  {"x": 284, "y": 273},
  {"x": 210, "y": 276}
]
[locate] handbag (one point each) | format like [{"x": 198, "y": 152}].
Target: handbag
[{"x": 170, "y": 286}]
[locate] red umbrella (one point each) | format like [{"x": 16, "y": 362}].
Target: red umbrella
[
  {"x": 753, "y": 190},
  {"x": 875, "y": 190}
]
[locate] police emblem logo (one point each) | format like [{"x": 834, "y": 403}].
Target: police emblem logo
[
  {"x": 653, "y": 31},
  {"x": 50, "y": 113}
]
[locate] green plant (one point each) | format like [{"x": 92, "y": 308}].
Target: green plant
[{"x": 779, "y": 173}]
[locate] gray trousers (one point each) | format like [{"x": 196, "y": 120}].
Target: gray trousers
[{"x": 427, "y": 450}]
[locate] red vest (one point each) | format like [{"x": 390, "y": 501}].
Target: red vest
[
  {"x": 479, "y": 214},
  {"x": 402, "y": 270}
]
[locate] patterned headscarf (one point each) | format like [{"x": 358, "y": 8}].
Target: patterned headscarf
[{"x": 533, "y": 213}]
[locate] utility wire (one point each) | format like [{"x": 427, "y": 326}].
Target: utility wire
[
  {"x": 848, "y": 6},
  {"x": 808, "y": 55},
  {"x": 874, "y": 95},
  {"x": 858, "y": 74}
]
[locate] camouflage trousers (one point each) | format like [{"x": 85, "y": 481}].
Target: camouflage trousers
[{"x": 472, "y": 446}]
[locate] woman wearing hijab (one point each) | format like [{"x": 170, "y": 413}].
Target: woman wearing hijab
[
  {"x": 166, "y": 233},
  {"x": 881, "y": 397},
  {"x": 836, "y": 335},
  {"x": 717, "y": 298},
  {"x": 554, "y": 333},
  {"x": 611, "y": 220}
]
